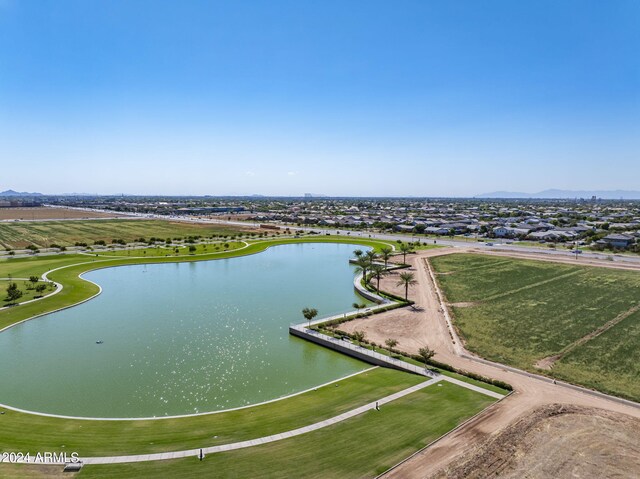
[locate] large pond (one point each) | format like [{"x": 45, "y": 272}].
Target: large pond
[{"x": 182, "y": 338}]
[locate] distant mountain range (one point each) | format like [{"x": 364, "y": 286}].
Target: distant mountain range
[
  {"x": 565, "y": 194},
  {"x": 18, "y": 193}
]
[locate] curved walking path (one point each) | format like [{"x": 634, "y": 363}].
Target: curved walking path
[
  {"x": 530, "y": 390},
  {"x": 44, "y": 279},
  {"x": 258, "y": 441}
]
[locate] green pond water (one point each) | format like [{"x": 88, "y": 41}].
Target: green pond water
[{"x": 182, "y": 338}]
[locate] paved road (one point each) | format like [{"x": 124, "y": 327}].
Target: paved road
[{"x": 497, "y": 245}]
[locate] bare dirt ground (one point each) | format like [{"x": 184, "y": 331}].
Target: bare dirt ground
[
  {"x": 426, "y": 325},
  {"x": 44, "y": 213},
  {"x": 404, "y": 325},
  {"x": 556, "y": 441}
]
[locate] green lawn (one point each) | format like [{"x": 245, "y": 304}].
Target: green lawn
[
  {"x": 28, "y": 290},
  {"x": 27, "y": 432},
  {"x": 363, "y": 446},
  {"x": 67, "y": 233},
  {"x": 182, "y": 250},
  {"x": 518, "y": 312},
  {"x": 37, "y": 265}
]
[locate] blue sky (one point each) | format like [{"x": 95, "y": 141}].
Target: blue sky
[{"x": 419, "y": 98}]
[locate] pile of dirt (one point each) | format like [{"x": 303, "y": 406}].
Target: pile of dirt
[{"x": 556, "y": 441}]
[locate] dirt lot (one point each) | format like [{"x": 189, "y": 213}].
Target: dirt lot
[
  {"x": 404, "y": 325},
  {"x": 556, "y": 441},
  {"x": 44, "y": 213},
  {"x": 426, "y": 324}
]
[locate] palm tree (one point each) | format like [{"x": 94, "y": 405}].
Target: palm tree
[
  {"x": 309, "y": 314},
  {"x": 372, "y": 255},
  {"x": 378, "y": 271},
  {"x": 358, "y": 253},
  {"x": 363, "y": 264},
  {"x": 405, "y": 248},
  {"x": 406, "y": 279},
  {"x": 426, "y": 354},
  {"x": 385, "y": 254}
]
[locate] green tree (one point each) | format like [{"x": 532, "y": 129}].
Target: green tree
[
  {"x": 362, "y": 266},
  {"x": 391, "y": 343},
  {"x": 309, "y": 314},
  {"x": 385, "y": 254},
  {"x": 13, "y": 293},
  {"x": 404, "y": 249},
  {"x": 406, "y": 279},
  {"x": 359, "y": 336},
  {"x": 192, "y": 249},
  {"x": 357, "y": 252},
  {"x": 426, "y": 354},
  {"x": 34, "y": 279},
  {"x": 40, "y": 288},
  {"x": 372, "y": 255},
  {"x": 378, "y": 271}
]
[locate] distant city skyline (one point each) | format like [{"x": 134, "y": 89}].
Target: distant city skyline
[{"x": 355, "y": 98}]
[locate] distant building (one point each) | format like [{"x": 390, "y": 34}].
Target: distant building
[
  {"x": 618, "y": 240},
  {"x": 436, "y": 230},
  {"x": 507, "y": 232}
]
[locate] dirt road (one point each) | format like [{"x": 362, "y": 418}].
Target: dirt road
[{"x": 427, "y": 324}]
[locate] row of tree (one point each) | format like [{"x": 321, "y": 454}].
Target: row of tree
[{"x": 368, "y": 263}]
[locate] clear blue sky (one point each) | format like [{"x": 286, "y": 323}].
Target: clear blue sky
[{"x": 337, "y": 97}]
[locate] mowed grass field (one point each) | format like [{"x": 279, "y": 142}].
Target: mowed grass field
[
  {"x": 182, "y": 250},
  {"x": 26, "y": 432},
  {"x": 363, "y": 446},
  {"x": 519, "y": 312},
  {"x": 66, "y": 233},
  {"x": 28, "y": 290}
]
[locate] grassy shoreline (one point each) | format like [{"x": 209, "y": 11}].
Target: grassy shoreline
[
  {"x": 68, "y": 268},
  {"x": 29, "y": 432},
  {"x": 362, "y": 446}
]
